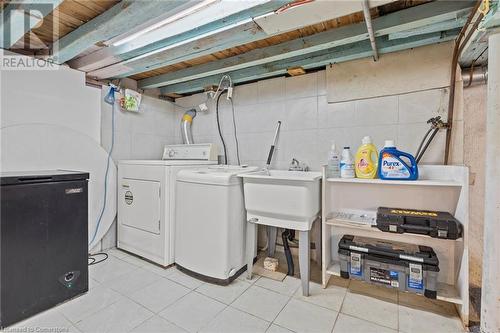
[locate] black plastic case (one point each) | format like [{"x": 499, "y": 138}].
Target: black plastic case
[
  {"x": 391, "y": 264},
  {"x": 434, "y": 224}
]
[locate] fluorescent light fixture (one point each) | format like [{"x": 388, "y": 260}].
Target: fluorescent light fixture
[
  {"x": 166, "y": 21},
  {"x": 210, "y": 33}
]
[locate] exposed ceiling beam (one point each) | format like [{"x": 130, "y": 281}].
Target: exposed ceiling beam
[
  {"x": 203, "y": 22},
  {"x": 315, "y": 60},
  {"x": 311, "y": 13},
  {"x": 19, "y": 17},
  {"x": 420, "y": 16},
  {"x": 442, "y": 26},
  {"x": 477, "y": 45},
  {"x": 118, "y": 20},
  {"x": 189, "y": 49},
  {"x": 242, "y": 34}
]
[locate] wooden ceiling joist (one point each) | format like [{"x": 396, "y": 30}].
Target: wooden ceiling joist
[
  {"x": 407, "y": 19},
  {"x": 113, "y": 54},
  {"x": 118, "y": 20},
  {"x": 14, "y": 20},
  {"x": 171, "y": 54},
  {"x": 315, "y": 60}
]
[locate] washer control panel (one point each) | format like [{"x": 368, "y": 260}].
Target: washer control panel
[{"x": 198, "y": 151}]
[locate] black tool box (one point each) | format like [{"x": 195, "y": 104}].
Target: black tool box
[
  {"x": 406, "y": 267},
  {"x": 435, "y": 224}
]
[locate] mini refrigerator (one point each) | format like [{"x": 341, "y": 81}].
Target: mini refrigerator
[{"x": 43, "y": 241}]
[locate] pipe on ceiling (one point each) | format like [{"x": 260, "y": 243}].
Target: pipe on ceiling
[{"x": 369, "y": 27}]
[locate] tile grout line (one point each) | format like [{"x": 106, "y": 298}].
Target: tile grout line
[
  {"x": 273, "y": 322},
  {"x": 222, "y": 310},
  {"x": 141, "y": 305},
  {"x": 335, "y": 321},
  {"x": 372, "y": 322}
]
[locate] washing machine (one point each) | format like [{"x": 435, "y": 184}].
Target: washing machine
[
  {"x": 146, "y": 200},
  {"x": 210, "y": 231}
]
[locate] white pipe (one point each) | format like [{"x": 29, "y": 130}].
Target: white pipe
[
  {"x": 369, "y": 27},
  {"x": 187, "y": 119},
  {"x": 490, "y": 292}
]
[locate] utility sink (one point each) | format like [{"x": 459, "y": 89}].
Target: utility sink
[{"x": 284, "y": 199}]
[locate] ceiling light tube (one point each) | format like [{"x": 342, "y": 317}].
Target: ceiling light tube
[
  {"x": 210, "y": 33},
  {"x": 166, "y": 21}
]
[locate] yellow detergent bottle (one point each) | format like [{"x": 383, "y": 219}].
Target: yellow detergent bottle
[{"x": 366, "y": 159}]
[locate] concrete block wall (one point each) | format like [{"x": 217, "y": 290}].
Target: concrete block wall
[
  {"x": 138, "y": 135},
  {"x": 309, "y": 123}
]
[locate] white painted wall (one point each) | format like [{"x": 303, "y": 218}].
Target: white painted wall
[
  {"x": 402, "y": 72},
  {"x": 51, "y": 120},
  {"x": 57, "y": 97},
  {"x": 475, "y": 99},
  {"x": 310, "y": 123},
  {"x": 139, "y": 135}
]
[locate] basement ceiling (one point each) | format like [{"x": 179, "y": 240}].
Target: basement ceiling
[{"x": 99, "y": 37}]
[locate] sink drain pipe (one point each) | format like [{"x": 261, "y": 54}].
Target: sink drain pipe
[{"x": 285, "y": 236}]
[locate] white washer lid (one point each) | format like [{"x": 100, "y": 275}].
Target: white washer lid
[
  {"x": 215, "y": 175},
  {"x": 167, "y": 162}
]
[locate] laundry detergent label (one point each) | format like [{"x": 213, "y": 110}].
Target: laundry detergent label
[
  {"x": 393, "y": 168},
  {"x": 356, "y": 264},
  {"x": 384, "y": 276},
  {"x": 415, "y": 279}
]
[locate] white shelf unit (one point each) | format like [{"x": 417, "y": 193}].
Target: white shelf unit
[{"x": 440, "y": 188}]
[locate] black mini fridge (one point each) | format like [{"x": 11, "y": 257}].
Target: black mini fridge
[{"x": 43, "y": 241}]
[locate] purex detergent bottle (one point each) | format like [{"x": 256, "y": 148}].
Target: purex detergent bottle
[{"x": 391, "y": 166}]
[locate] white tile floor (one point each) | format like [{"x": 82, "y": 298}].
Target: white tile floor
[{"x": 128, "y": 294}]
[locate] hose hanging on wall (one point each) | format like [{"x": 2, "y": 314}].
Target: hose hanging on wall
[
  {"x": 436, "y": 124},
  {"x": 235, "y": 133},
  {"x": 110, "y": 99},
  {"x": 218, "y": 127}
]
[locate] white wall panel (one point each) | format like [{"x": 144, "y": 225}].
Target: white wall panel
[{"x": 422, "y": 68}]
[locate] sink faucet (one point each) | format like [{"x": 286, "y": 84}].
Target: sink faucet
[{"x": 295, "y": 165}]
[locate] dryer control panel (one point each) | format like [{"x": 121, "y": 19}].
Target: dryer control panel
[{"x": 199, "y": 151}]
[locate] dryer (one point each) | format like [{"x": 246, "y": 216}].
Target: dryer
[
  {"x": 146, "y": 200},
  {"x": 211, "y": 223}
]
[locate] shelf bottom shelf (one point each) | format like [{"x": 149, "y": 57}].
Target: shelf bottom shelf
[{"x": 445, "y": 292}]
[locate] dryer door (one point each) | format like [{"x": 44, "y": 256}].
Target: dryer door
[{"x": 139, "y": 204}]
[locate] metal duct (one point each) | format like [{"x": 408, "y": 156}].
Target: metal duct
[
  {"x": 187, "y": 120},
  {"x": 474, "y": 75}
]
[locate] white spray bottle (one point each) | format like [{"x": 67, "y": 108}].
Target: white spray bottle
[{"x": 333, "y": 167}]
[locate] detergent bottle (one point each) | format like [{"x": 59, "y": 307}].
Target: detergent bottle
[
  {"x": 366, "y": 159},
  {"x": 333, "y": 168},
  {"x": 347, "y": 164},
  {"x": 391, "y": 166}
]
